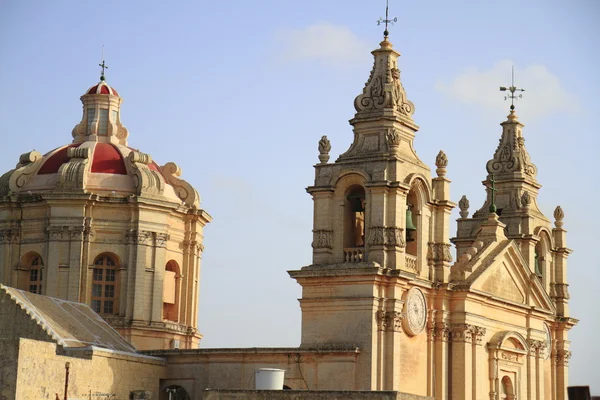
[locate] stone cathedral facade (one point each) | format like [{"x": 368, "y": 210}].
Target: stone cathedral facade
[{"x": 391, "y": 302}]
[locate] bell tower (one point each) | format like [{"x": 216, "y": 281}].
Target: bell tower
[{"x": 380, "y": 233}]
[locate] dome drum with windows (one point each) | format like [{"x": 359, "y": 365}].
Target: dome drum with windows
[{"x": 96, "y": 220}]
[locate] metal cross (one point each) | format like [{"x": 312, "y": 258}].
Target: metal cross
[
  {"x": 512, "y": 89},
  {"x": 103, "y": 65},
  {"x": 493, "y": 190},
  {"x": 386, "y": 20}
]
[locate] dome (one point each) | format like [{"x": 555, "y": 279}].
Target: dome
[
  {"x": 99, "y": 161},
  {"x": 102, "y": 88}
]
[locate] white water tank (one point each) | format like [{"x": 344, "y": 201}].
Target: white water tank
[{"x": 269, "y": 379}]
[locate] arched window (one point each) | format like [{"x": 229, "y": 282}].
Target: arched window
[
  {"x": 171, "y": 292},
  {"x": 35, "y": 274},
  {"x": 104, "y": 285}
]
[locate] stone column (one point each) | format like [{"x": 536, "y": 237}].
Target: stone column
[
  {"x": 390, "y": 322},
  {"x": 76, "y": 265},
  {"x": 160, "y": 255},
  {"x": 535, "y": 373},
  {"x": 477, "y": 336},
  {"x": 561, "y": 360},
  {"x": 462, "y": 362},
  {"x": 322, "y": 243},
  {"x": 142, "y": 247},
  {"x": 51, "y": 274},
  {"x": 8, "y": 241},
  {"x": 375, "y": 224},
  {"x": 442, "y": 362}
]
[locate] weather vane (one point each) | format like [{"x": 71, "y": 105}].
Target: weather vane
[
  {"x": 386, "y": 20},
  {"x": 103, "y": 65},
  {"x": 512, "y": 89}
]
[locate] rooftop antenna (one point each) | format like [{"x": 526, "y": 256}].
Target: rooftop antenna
[
  {"x": 103, "y": 65},
  {"x": 386, "y": 21},
  {"x": 512, "y": 89}
]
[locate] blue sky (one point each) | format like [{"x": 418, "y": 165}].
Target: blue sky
[{"x": 238, "y": 93}]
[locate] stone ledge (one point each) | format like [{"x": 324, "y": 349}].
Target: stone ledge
[{"x": 239, "y": 394}]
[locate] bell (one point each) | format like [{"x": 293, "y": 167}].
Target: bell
[
  {"x": 356, "y": 202},
  {"x": 410, "y": 227}
]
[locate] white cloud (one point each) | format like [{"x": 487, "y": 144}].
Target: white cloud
[
  {"x": 332, "y": 45},
  {"x": 543, "y": 94}
]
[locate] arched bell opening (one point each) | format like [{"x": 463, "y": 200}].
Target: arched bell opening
[
  {"x": 411, "y": 226},
  {"x": 354, "y": 223}
]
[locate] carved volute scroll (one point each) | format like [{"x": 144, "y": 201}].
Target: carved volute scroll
[
  {"x": 384, "y": 90},
  {"x": 145, "y": 180},
  {"x": 15, "y": 179},
  {"x": 183, "y": 189},
  {"x": 72, "y": 174},
  {"x": 511, "y": 155}
]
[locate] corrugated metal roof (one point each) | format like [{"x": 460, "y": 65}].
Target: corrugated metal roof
[{"x": 71, "y": 324}]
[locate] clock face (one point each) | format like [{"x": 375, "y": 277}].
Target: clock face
[{"x": 416, "y": 312}]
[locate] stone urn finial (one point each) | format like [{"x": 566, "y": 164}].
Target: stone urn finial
[
  {"x": 324, "y": 149},
  {"x": 558, "y": 216},
  {"x": 392, "y": 137},
  {"x": 525, "y": 200},
  {"x": 463, "y": 204},
  {"x": 441, "y": 162}
]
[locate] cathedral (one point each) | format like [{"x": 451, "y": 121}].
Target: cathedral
[{"x": 392, "y": 302}]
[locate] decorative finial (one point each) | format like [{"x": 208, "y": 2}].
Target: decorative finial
[
  {"x": 464, "y": 204},
  {"x": 493, "y": 190},
  {"x": 386, "y": 21},
  {"x": 512, "y": 89},
  {"x": 441, "y": 162},
  {"x": 558, "y": 216},
  {"x": 525, "y": 199},
  {"x": 324, "y": 149},
  {"x": 103, "y": 65}
]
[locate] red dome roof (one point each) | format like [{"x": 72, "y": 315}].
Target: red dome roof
[
  {"x": 102, "y": 88},
  {"x": 106, "y": 160}
]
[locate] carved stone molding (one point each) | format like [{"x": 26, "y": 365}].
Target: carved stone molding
[
  {"x": 560, "y": 291},
  {"x": 439, "y": 252},
  {"x": 322, "y": 239},
  {"x": 514, "y": 357},
  {"x": 389, "y": 320},
  {"x": 8, "y": 236},
  {"x": 511, "y": 155},
  {"x": 145, "y": 180},
  {"x": 192, "y": 246},
  {"x": 384, "y": 89},
  {"x": 536, "y": 347},
  {"x": 441, "y": 331},
  {"x": 386, "y": 236},
  {"x": 562, "y": 357},
  {"x": 162, "y": 239},
  {"x": 73, "y": 174},
  {"x": 15, "y": 179},
  {"x": 56, "y": 232},
  {"x": 139, "y": 237},
  {"x": 467, "y": 333}
]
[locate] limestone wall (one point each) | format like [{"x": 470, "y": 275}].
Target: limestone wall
[
  {"x": 41, "y": 372},
  {"x": 215, "y": 394}
]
